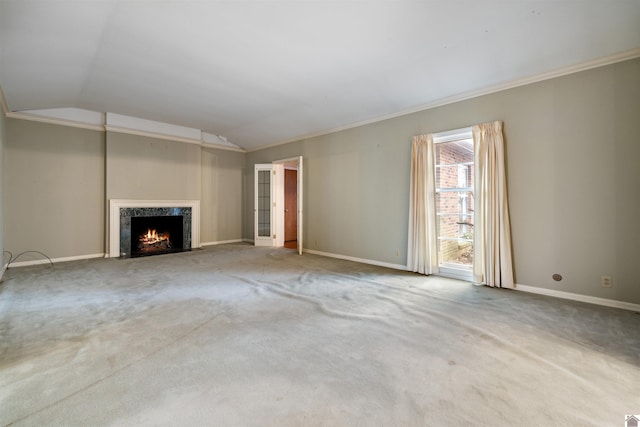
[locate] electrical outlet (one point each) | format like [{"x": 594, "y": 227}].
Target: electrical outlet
[
  {"x": 397, "y": 252},
  {"x": 606, "y": 282}
]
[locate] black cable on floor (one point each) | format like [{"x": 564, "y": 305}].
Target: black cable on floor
[{"x": 13, "y": 259}]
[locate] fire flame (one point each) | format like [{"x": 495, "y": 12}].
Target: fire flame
[
  {"x": 152, "y": 234},
  {"x": 152, "y": 237}
]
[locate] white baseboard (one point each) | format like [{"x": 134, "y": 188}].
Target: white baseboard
[
  {"x": 524, "y": 288},
  {"x": 578, "y": 297},
  {"x": 221, "y": 242},
  {"x": 56, "y": 260},
  {"x": 362, "y": 260}
]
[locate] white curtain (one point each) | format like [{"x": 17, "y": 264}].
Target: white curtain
[
  {"x": 422, "y": 256},
  {"x": 492, "y": 235}
]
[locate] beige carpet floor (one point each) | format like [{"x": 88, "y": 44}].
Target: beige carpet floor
[{"x": 241, "y": 336}]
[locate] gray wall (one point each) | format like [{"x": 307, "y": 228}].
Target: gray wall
[
  {"x": 57, "y": 181},
  {"x": 573, "y": 165},
  {"x": 139, "y": 167},
  {"x": 221, "y": 206},
  {"x": 54, "y": 190}
]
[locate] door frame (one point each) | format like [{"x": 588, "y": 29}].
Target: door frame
[
  {"x": 290, "y": 204},
  {"x": 294, "y": 163}
]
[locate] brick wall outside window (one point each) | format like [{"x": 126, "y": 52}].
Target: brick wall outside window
[{"x": 449, "y": 204}]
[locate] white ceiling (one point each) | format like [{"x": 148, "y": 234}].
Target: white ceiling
[{"x": 262, "y": 72}]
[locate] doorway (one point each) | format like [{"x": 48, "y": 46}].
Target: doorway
[
  {"x": 290, "y": 208},
  {"x": 278, "y": 203}
]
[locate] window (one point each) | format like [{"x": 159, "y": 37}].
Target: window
[
  {"x": 453, "y": 154},
  {"x": 455, "y": 177}
]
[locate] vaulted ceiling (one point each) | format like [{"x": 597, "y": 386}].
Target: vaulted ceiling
[{"x": 262, "y": 72}]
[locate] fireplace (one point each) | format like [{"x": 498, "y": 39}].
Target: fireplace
[
  {"x": 150, "y": 227},
  {"x": 154, "y": 235}
]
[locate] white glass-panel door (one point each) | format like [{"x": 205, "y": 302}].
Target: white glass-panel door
[{"x": 263, "y": 205}]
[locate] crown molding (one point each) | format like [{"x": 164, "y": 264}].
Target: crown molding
[
  {"x": 181, "y": 133},
  {"x": 50, "y": 117},
  {"x": 150, "y": 128},
  {"x": 21, "y": 115},
  {"x": 572, "y": 69},
  {"x": 158, "y": 135},
  {"x": 222, "y": 147}
]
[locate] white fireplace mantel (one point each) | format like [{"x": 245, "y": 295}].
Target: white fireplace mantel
[{"x": 114, "y": 218}]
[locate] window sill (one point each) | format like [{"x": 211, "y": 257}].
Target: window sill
[{"x": 459, "y": 272}]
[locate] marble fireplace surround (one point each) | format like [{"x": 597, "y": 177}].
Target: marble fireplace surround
[{"x": 115, "y": 205}]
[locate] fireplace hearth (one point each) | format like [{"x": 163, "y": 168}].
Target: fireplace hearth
[{"x": 151, "y": 227}]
